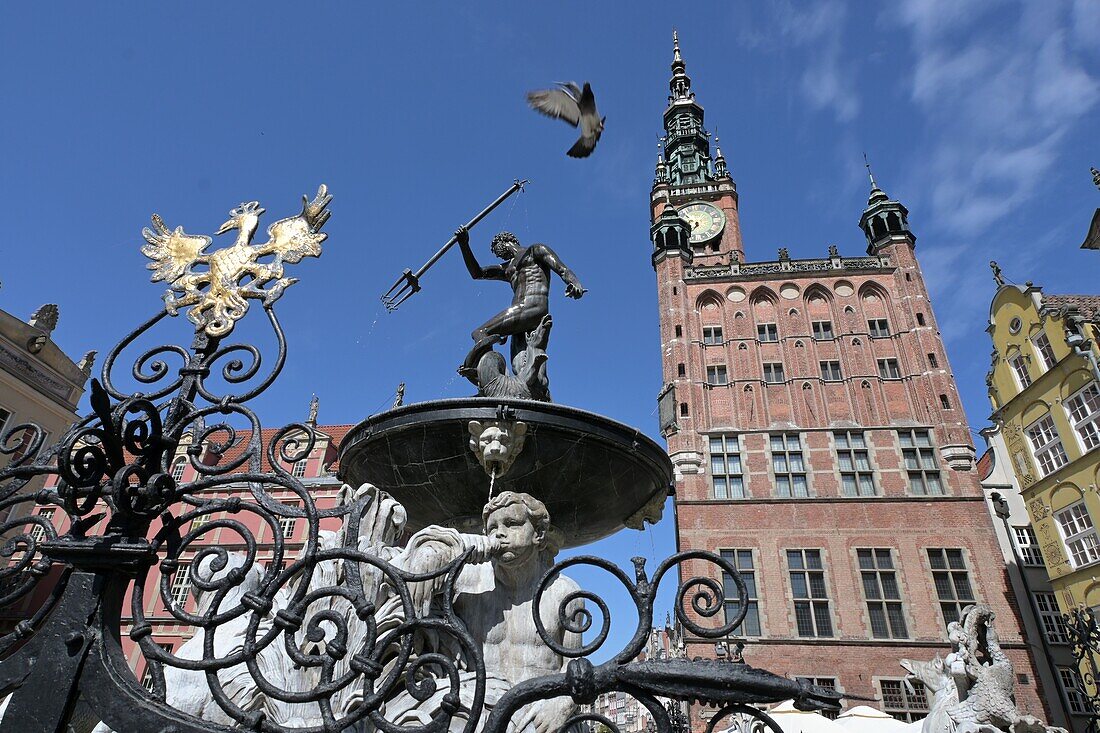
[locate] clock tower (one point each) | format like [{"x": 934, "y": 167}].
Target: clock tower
[
  {"x": 817, "y": 439},
  {"x": 696, "y": 184}
]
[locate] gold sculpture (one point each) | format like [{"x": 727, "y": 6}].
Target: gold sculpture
[{"x": 216, "y": 309}]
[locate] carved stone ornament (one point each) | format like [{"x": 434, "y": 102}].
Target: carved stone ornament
[
  {"x": 497, "y": 444},
  {"x": 972, "y": 687}
]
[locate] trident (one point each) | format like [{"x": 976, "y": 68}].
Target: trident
[{"x": 409, "y": 283}]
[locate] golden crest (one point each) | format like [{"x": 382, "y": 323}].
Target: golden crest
[{"x": 216, "y": 295}]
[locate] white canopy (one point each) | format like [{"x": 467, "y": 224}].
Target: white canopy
[
  {"x": 792, "y": 720},
  {"x": 864, "y": 719}
]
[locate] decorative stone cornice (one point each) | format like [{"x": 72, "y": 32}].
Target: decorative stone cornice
[{"x": 835, "y": 265}]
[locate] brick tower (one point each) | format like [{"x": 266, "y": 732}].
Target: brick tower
[{"x": 817, "y": 435}]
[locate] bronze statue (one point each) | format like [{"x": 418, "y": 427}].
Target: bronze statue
[{"x": 527, "y": 270}]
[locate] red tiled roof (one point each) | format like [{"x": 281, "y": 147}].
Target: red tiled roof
[
  {"x": 332, "y": 434},
  {"x": 1088, "y": 305},
  {"x": 985, "y": 465}
]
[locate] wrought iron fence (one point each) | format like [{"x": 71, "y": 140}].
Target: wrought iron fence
[
  {"x": 298, "y": 644},
  {"x": 1084, "y": 636}
]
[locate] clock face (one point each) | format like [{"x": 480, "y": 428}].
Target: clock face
[{"x": 706, "y": 221}]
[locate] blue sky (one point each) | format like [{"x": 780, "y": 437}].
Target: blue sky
[{"x": 980, "y": 116}]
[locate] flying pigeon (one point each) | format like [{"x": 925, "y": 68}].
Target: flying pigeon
[{"x": 577, "y": 107}]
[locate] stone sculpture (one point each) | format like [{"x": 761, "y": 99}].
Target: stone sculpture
[
  {"x": 495, "y": 593},
  {"x": 497, "y": 443},
  {"x": 972, "y": 687}
]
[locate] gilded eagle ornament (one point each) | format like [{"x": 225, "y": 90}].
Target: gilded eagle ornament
[{"x": 217, "y": 296}]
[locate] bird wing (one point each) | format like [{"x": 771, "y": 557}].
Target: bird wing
[
  {"x": 298, "y": 236},
  {"x": 171, "y": 252},
  {"x": 586, "y": 100},
  {"x": 556, "y": 103}
]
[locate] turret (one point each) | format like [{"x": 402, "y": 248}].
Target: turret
[
  {"x": 670, "y": 236},
  {"x": 884, "y": 220}
]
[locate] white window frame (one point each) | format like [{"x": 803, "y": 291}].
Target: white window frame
[
  {"x": 1083, "y": 410},
  {"x": 298, "y": 468},
  {"x": 1028, "y": 545},
  {"x": 1078, "y": 534},
  {"x": 1050, "y": 618},
  {"x": 38, "y": 532},
  {"x": 180, "y": 588},
  {"x": 1044, "y": 351},
  {"x": 1046, "y": 445},
  {"x": 6, "y": 416},
  {"x": 731, "y": 458},
  {"x": 178, "y": 467},
  {"x": 1019, "y": 370},
  {"x": 1074, "y": 689},
  {"x": 788, "y": 474},
  {"x": 287, "y": 525}
]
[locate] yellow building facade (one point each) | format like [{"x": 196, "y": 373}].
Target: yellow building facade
[{"x": 1044, "y": 385}]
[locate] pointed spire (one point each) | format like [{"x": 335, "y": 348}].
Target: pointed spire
[
  {"x": 680, "y": 84},
  {"x": 720, "y": 169},
  {"x": 877, "y": 194}
]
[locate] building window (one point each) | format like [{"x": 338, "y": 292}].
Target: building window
[
  {"x": 920, "y": 462},
  {"x": 181, "y": 585},
  {"x": 178, "y": 468},
  {"x": 286, "y": 524},
  {"x": 147, "y": 678},
  {"x": 823, "y": 330},
  {"x": 788, "y": 466},
  {"x": 944, "y": 402},
  {"x": 878, "y": 328},
  {"x": 1046, "y": 446},
  {"x": 742, "y": 560},
  {"x": 199, "y": 521},
  {"x": 298, "y": 468},
  {"x": 856, "y": 475},
  {"x": 880, "y": 588},
  {"x": 726, "y": 473},
  {"x": 1075, "y": 690},
  {"x": 1084, "y": 413},
  {"x": 932, "y": 361},
  {"x": 679, "y": 331},
  {"x": 773, "y": 372},
  {"x": 1079, "y": 534},
  {"x": 1045, "y": 351},
  {"x": 830, "y": 371},
  {"x": 811, "y": 600},
  {"x": 767, "y": 332},
  {"x": 716, "y": 375},
  {"x": 683, "y": 409},
  {"x": 1019, "y": 368},
  {"x": 38, "y": 532},
  {"x": 712, "y": 335},
  {"x": 920, "y": 319},
  {"x": 5, "y": 418},
  {"x": 906, "y": 702},
  {"x": 681, "y": 370},
  {"x": 952, "y": 581},
  {"x": 826, "y": 682},
  {"x": 1051, "y": 618},
  {"x": 1028, "y": 545},
  {"x": 888, "y": 369}
]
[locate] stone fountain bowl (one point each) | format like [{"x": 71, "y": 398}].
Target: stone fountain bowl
[{"x": 595, "y": 475}]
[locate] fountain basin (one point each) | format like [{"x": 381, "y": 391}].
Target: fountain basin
[{"x": 595, "y": 475}]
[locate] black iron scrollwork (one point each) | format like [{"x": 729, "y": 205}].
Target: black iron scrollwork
[{"x": 1083, "y": 632}]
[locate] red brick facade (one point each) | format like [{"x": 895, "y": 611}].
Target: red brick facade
[{"x": 760, "y": 454}]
